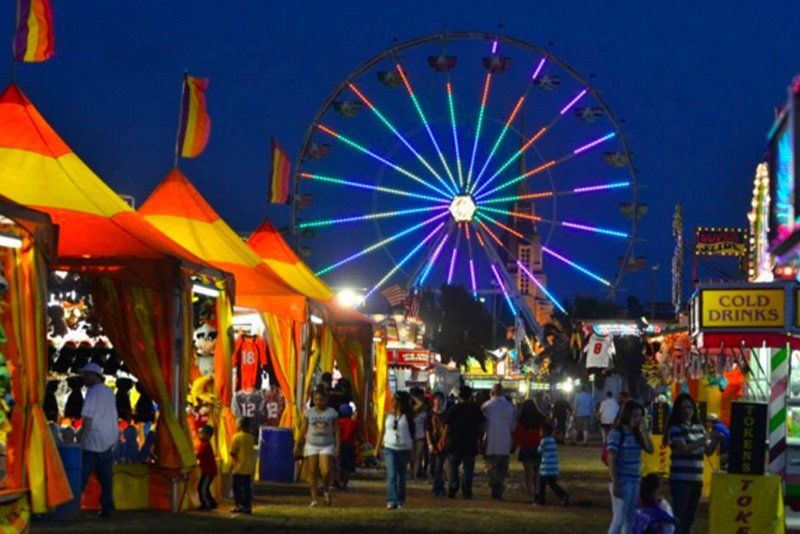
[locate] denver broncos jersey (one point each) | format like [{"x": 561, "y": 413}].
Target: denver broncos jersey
[{"x": 249, "y": 357}]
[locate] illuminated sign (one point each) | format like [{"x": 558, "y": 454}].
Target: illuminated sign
[
  {"x": 414, "y": 358},
  {"x": 720, "y": 242},
  {"x": 743, "y": 308}
]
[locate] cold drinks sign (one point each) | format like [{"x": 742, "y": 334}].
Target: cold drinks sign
[{"x": 743, "y": 308}]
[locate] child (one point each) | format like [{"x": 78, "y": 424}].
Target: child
[
  {"x": 654, "y": 514},
  {"x": 208, "y": 468},
  {"x": 243, "y": 466},
  {"x": 548, "y": 472},
  {"x": 348, "y": 439}
]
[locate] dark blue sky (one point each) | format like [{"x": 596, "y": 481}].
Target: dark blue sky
[{"x": 696, "y": 83}]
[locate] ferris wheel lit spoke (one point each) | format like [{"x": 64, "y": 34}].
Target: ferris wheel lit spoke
[
  {"x": 400, "y": 136},
  {"x": 505, "y": 291},
  {"x": 519, "y": 263},
  {"x": 499, "y": 140},
  {"x": 380, "y": 244},
  {"x": 501, "y": 225},
  {"x": 547, "y": 194},
  {"x": 370, "y": 187},
  {"x": 545, "y": 166},
  {"x": 424, "y": 120},
  {"x": 369, "y": 217},
  {"x": 405, "y": 260},
  {"x": 566, "y": 224},
  {"x": 541, "y": 286},
  {"x": 453, "y": 257},
  {"x": 433, "y": 259},
  {"x": 516, "y": 155},
  {"x": 472, "y": 280},
  {"x": 380, "y": 158},
  {"x": 478, "y": 126},
  {"x": 454, "y": 128},
  {"x": 576, "y": 266}
]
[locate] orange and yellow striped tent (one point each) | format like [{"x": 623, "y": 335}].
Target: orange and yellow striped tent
[
  {"x": 40, "y": 171},
  {"x": 178, "y": 209},
  {"x": 270, "y": 246}
]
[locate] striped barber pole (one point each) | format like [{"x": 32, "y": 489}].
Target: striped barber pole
[{"x": 779, "y": 381}]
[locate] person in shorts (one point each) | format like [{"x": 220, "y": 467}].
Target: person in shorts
[
  {"x": 319, "y": 443},
  {"x": 527, "y": 437},
  {"x": 349, "y": 441},
  {"x": 584, "y": 406},
  {"x": 607, "y": 412}
]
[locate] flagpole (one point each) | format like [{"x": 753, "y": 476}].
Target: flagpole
[{"x": 180, "y": 119}]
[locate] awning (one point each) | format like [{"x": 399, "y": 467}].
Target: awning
[
  {"x": 36, "y": 223},
  {"x": 178, "y": 209},
  {"x": 95, "y": 226}
]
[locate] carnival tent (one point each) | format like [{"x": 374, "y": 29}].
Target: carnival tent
[
  {"x": 33, "y": 462},
  {"x": 178, "y": 209},
  {"x": 135, "y": 270}
]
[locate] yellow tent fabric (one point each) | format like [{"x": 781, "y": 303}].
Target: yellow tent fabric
[{"x": 178, "y": 209}]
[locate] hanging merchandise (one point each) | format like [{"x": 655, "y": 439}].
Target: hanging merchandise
[
  {"x": 251, "y": 405},
  {"x": 599, "y": 351},
  {"x": 249, "y": 360}
]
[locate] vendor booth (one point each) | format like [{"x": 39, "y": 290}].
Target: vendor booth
[
  {"x": 134, "y": 283},
  {"x": 31, "y": 474}
]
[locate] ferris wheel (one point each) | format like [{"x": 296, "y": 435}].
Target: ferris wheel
[{"x": 467, "y": 158}]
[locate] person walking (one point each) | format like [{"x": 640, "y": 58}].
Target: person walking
[
  {"x": 420, "y": 408},
  {"x": 464, "y": 424},
  {"x": 624, "y": 445},
  {"x": 98, "y": 436},
  {"x": 607, "y": 413},
  {"x": 398, "y": 442},
  {"x": 501, "y": 419},
  {"x": 243, "y": 466},
  {"x": 688, "y": 441},
  {"x": 208, "y": 468},
  {"x": 561, "y": 413},
  {"x": 527, "y": 437},
  {"x": 548, "y": 449},
  {"x": 320, "y": 445},
  {"x": 436, "y": 438},
  {"x": 584, "y": 406}
]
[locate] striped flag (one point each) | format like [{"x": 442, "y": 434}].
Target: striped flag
[
  {"x": 195, "y": 124},
  {"x": 33, "y": 41},
  {"x": 395, "y": 294},
  {"x": 279, "y": 175}
]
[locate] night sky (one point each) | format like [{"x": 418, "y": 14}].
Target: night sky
[{"x": 696, "y": 83}]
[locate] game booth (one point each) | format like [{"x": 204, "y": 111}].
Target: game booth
[
  {"x": 118, "y": 295},
  {"x": 32, "y": 478}
]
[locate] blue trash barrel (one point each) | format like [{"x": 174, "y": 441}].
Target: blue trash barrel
[
  {"x": 72, "y": 460},
  {"x": 276, "y": 455}
]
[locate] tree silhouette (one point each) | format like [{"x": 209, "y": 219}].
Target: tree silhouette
[{"x": 460, "y": 326}]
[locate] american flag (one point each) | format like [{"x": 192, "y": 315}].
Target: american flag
[
  {"x": 412, "y": 305},
  {"x": 394, "y": 294}
]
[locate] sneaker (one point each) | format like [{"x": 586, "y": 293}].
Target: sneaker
[
  {"x": 313, "y": 504},
  {"x": 565, "y": 500},
  {"x": 399, "y": 506},
  {"x": 391, "y": 506},
  {"x": 239, "y": 510},
  {"x": 328, "y": 500}
]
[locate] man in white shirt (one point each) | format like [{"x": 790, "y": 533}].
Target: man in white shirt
[
  {"x": 98, "y": 435},
  {"x": 607, "y": 413},
  {"x": 501, "y": 418}
]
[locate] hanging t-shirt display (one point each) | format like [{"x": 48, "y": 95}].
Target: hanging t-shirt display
[
  {"x": 249, "y": 357},
  {"x": 275, "y": 403},
  {"x": 599, "y": 351},
  {"x": 251, "y": 405}
]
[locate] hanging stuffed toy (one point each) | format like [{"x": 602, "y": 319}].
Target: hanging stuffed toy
[
  {"x": 74, "y": 405},
  {"x": 145, "y": 412},
  {"x": 124, "y": 409},
  {"x": 50, "y": 402}
]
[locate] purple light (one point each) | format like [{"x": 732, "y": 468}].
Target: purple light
[
  {"x": 540, "y": 286},
  {"x": 452, "y": 269},
  {"x": 596, "y": 230},
  {"x": 594, "y": 143},
  {"x": 472, "y": 278},
  {"x": 494, "y": 47},
  {"x": 600, "y": 187},
  {"x": 433, "y": 259},
  {"x": 505, "y": 292},
  {"x": 573, "y": 101},
  {"x": 576, "y": 266},
  {"x": 539, "y": 68}
]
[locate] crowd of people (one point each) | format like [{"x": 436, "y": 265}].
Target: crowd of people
[{"x": 440, "y": 439}]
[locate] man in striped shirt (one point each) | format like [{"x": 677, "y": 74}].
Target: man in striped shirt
[
  {"x": 688, "y": 441},
  {"x": 548, "y": 470}
]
